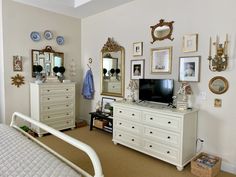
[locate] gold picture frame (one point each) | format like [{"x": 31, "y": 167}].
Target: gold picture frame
[
  {"x": 17, "y": 63},
  {"x": 138, "y": 49},
  {"x": 190, "y": 43},
  {"x": 218, "y": 85},
  {"x": 161, "y": 60}
]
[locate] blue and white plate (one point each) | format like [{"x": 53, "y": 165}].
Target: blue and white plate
[
  {"x": 48, "y": 35},
  {"x": 60, "y": 40},
  {"x": 35, "y": 36}
]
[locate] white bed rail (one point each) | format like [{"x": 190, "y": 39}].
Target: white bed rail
[{"x": 76, "y": 143}]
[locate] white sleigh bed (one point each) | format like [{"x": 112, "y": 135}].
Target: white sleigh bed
[{"x": 21, "y": 157}]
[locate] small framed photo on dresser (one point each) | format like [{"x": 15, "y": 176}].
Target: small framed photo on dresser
[{"x": 107, "y": 105}]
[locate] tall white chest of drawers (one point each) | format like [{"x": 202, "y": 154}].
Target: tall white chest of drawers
[
  {"x": 53, "y": 104},
  {"x": 167, "y": 134}
]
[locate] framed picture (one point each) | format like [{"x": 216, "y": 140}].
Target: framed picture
[
  {"x": 137, "y": 69},
  {"x": 217, "y": 103},
  {"x": 17, "y": 63},
  {"x": 107, "y": 105},
  {"x": 218, "y": 85},
  {"x": 190, "y": 43},
  {"x": 138, "y": 49},
  {"x": 189, "y": 68},
  {"x": 161, "y": 59}
]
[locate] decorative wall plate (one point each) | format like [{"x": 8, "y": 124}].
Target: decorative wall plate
[
  {"x": 60, "y": 40},
  {"x": 48, "y": 35},
  {"x": 35, "y": 36}
]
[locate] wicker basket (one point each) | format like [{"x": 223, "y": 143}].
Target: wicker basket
[
  {"x": 203, "y": 170},
  {"x": 100, "y": 123}
]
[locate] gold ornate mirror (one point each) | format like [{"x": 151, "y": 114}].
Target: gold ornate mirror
[
  {"x": 218, "y": 85},
  {"x": 112, "y": 70},
  {"x": 162, "y": 30},
  {"x": 48, "y": 59}
]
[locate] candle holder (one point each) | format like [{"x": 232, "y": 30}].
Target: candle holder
[{"x": 220, "y": 61}]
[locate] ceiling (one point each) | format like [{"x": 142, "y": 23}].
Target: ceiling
[{"x": 75, "y": 8}]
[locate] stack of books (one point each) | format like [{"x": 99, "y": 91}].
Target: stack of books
[{"x": 108, "y": 128}]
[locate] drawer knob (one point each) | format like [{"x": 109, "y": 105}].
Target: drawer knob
[
  {"x": 151, "y": 132},
  {"x": 133, "y": 114},
  {"x": 67, "y": 105},
  {"x": 132, "y": 139},
  {"x": 120, "y": 135},
  {"x": 67, "y": 89},
  {"x": 151, "y": 118},
  {"x": 48, "y": 90},
  {"x": 168, "y": 152},
  {"x": 169, "y": 122},
  {"x": 48, "y": 107},
  {"x": 168, "y": 137},
  {"x": 67, "y": 113},
  {"x": 120, "y": 111},
  {"x": 67, "y": 97},
  {"x": 48, "y": 116},
  {"x": 120, "y": 123},
  {"x": 133, "y": 127},
  {"x": 48, "y": 98},
  {"x": 150, "y": 146}
]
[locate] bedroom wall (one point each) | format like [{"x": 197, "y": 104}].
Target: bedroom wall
[
  {"x": 2, "y": 95},
  {"x": 131, "y": 23},
  {"x": 18, "y": 22}
]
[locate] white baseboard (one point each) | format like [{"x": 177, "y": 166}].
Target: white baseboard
[{"x": 228, "y": 167}]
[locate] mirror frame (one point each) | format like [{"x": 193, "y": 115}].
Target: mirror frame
[
  {"x": 47, "y": 49},
  {"x": 112, "y": 46},
  {"x": 214, "y": 90},
  {"x": 160, "y": 24}
]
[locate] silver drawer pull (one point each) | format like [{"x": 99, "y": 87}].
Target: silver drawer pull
[
  {"x": 133, "y": 114},
  {"x": 133, "y": 127},
  {"x": 132, "y": 139},
  {"x": 169, "y": 122},
  {"x": 168, "y": 137},
  {"x": 151, "y": 118},
  {"x": 150, "y": 146},
  {"x": 168, "y": 152}
]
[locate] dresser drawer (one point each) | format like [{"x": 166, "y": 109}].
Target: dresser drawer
[
  {"x": 162, "y": 121},
  {"x": 59, "y": 89},
  {"x": 162, "y": 136},
  {"x": 48, "y": 107},
  {"x": 53, "y": 98},
  {"x": 126, "y": 138},
  {"x": 129, "y": 114},
  {"x": 62, "y": 124},
  {"x": 161, "y": 151},
  {"x": 52, "y": 116},
  {"x": 127, "y": 126}
]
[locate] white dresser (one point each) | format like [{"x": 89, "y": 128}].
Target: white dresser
[
  {"x": 53, "y": 104},
  {"x": 167, "y": 134}
]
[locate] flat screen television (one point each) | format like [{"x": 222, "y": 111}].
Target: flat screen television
[{"x": 156, "y": 90}]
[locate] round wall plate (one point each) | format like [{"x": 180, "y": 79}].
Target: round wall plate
[
  {"x": 60, "y": 40},
  {"x": 35, "y": 36},
  {"x": 48, "y": 35}
]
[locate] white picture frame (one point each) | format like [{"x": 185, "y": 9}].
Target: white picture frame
[
  {"x": 137, "y": 69},
  {"x": 190, "y": 43},
  {"x": 138, "y": 49}
]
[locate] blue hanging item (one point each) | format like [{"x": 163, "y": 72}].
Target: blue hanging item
[{"x": 88, "y": 85}]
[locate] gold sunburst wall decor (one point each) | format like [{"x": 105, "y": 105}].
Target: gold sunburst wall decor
[{"x": 18, "y": 80}]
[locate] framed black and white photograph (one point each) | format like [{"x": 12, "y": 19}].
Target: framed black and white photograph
[
  {"x": 107, "y": 104},
  {"x": 138, "y": 49},
  {"x": 190, "y": 43},
  {"x": 161, "y": 59},
  {"x": 189, "y": 68},
  {"x": 17, "y": 63},
  {"x": 137, "y": 69}
]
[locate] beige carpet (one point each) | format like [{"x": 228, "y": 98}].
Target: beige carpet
[{"x": 117, "y": 160}]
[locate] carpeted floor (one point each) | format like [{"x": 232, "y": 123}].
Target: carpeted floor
[{"x": 117, "y": 160}]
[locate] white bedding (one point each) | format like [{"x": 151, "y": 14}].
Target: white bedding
[{"x": 20, "y": 157}]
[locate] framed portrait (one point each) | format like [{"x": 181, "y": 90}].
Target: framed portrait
[
  {"x": 161, "y": 60},
  {"x": 137, "y": 69},
  {"x": 17, "y": 63},
  {"x": 189, "y": 68},
  {"x": 190, "y": 43},
  {"x": 138, "y": 49},
  {"x": 218, "y": 85},
  {"x": 107, "y": 104},
  {"x": 217, "y": 103}
]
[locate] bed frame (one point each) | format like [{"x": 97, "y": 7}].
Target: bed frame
[{"x": 74, "y": 142}]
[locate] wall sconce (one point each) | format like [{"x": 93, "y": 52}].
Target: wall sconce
[{"x": 220, "y": 60}]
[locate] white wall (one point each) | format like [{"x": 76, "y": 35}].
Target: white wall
[
  {"x": 18, "y": 22},
  {"x": 2, "y": 90},
  {"x": 131, "y": 23}
]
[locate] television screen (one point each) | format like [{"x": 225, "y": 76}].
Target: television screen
[{"x": 157, "y": 90}]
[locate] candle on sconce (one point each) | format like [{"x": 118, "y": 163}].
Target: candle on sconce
[
  {"x": 210, "y": 47},
  {"x": 217, "y": 42},
  {"x": 226, "y": 45}
]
